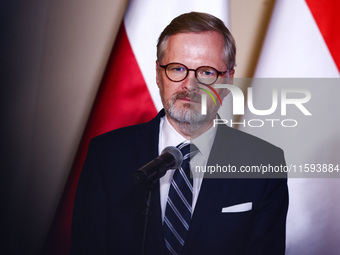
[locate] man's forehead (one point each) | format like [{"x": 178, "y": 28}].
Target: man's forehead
[
  {"x": 196, "y": 49},
  {"x": 194, "y": 35},
  {"x": 205, "y": 39}
]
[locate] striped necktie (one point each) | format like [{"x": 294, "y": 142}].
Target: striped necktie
[{"x": 179, "y": 204}]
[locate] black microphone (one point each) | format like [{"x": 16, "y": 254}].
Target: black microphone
[{"x": 171, "y": 158}]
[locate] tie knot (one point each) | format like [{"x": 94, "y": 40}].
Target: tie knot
[{"x": 188, "y": 150}]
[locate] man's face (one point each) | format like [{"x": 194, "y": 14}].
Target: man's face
[{"x": 182, "y": 100}]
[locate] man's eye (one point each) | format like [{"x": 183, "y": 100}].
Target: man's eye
[
  {"x": 208, "y": 73},
  {"x": 177, "y": 69}
]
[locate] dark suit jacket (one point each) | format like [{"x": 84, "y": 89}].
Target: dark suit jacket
[{"x": 108, "y": 219}]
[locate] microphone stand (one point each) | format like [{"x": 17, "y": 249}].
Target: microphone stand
[
  {"x": 170, "y": 158},
  {"x": 147, "y": 213}
]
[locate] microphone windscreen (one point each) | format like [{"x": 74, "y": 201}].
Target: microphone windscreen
[{"x": 176, "y": 153}]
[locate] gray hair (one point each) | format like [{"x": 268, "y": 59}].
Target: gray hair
[{"x": 196, "y": 22}]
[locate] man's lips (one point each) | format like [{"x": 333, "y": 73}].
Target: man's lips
[{"x": 188, "y": 99}]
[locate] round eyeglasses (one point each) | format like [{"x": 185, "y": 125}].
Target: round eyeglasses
[{"x": 177, "y": 72}]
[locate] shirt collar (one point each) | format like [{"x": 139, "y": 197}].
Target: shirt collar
[{"x": 170, "y": 137}]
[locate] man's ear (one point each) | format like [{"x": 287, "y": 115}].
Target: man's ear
[
  {"x": 229, "y": 80},
  {"x": 231, "y": 76},
  {"x": 157, "y": 73}
]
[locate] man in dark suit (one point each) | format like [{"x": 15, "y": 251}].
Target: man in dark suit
[{"x": 227, "y": 215}]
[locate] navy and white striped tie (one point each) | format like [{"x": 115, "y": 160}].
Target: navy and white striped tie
[{"x": 179, "y": 205}]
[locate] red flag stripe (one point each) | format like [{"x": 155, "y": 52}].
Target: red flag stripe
[
  {"x": 326, "y": 15},
  {"x": 118, "y": 103}
]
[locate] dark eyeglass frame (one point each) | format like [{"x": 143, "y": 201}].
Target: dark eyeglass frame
[{"x": 194, "y": 70}]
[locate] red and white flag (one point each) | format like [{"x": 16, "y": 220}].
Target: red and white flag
[
  {"x": 303, "y": 41},
  {"x": 128, "y": 93}
]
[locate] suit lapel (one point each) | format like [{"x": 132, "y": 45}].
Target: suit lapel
[
  {"x": 211, "y": 189},
  {"x": 148, "y": 148}
]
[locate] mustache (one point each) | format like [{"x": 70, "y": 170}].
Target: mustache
[{"x": 184, "y": 94}]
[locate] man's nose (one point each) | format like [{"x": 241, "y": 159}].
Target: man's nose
[{"x": 190, "y": 83}]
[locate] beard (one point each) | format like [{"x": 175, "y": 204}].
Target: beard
[{"x": 189, "y": 115}]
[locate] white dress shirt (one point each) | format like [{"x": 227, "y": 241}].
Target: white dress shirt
[{"x": 168, "y": 136}]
